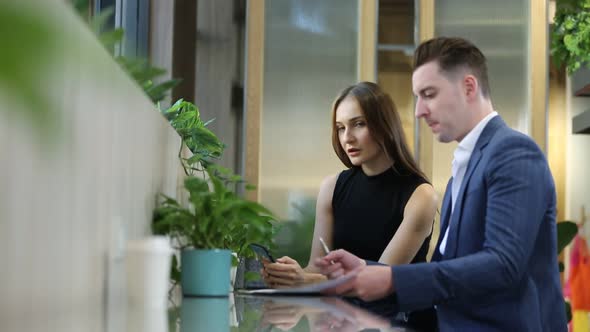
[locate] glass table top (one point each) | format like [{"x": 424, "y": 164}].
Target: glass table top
[
  {"x": 236, "y": 312},
  {"x": 240, "y": 312}
]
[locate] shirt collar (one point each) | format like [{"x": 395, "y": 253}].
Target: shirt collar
[{"x": 467, "y": 144}]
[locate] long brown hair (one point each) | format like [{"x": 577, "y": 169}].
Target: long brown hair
[{"x": 384, "y": 126}]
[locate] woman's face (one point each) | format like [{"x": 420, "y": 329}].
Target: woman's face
[{"x": 354, "y": 135}]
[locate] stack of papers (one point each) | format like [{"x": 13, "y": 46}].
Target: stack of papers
[{"x": 307, "y": 289}]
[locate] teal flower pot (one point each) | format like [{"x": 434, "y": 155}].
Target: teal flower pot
[
  {"x": 205, "y": 272},
  {"x": 204, "y": 314}
]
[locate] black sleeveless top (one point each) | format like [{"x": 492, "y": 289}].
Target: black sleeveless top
[{"x": 368, "y": 210}]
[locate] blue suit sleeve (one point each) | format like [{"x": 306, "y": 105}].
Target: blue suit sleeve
[
  {"x": 369, "y": 263},
  {"x": 519, "y": 190}
]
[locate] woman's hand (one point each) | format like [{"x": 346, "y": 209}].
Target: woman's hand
[{"x": 286, "y": 272}]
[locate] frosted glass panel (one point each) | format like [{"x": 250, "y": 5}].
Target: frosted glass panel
[
  {"x": 395, "y": 78},
  {"x": 501, "y": 30},
  {"x": 309, "y": 56}
]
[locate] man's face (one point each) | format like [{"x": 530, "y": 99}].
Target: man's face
[{"x": 440, "y": 100}]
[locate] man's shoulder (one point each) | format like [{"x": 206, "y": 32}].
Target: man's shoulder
[
  {"x": 505, "y": 131},
  {"x": 506, "y": 137},
  {"x": 509, "y": 148}
]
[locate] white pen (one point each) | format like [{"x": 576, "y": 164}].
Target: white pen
[{"x": 326, "y": 249}]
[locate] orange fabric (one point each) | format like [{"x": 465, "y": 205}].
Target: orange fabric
[{"x": 579, "y": 279}]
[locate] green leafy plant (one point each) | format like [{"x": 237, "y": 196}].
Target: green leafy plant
[
  {"x": 204, "y": 144},
  {"x": 145, "y": 75},
  {"x": 216, "y": 216},
  {"x": 139, "y": 69},
  {"x": 570, "y": 36}
]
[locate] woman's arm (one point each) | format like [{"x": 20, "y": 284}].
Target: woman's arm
[
  {"x": 287, "y": 272},
  {"x": 415, "y": 227},
  {"x": 324, "y": 221}
]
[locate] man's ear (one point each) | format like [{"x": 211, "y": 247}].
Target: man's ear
[{"x": 470, "y": 86}]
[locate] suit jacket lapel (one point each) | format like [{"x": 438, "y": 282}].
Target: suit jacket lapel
[
  {"x": 455, "y": 220},
  {"x": 444, "y": 220},
  {"x": 446, "y": 207}
]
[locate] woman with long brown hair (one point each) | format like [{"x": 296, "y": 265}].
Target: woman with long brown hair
[{"x": 382, "y": 207}]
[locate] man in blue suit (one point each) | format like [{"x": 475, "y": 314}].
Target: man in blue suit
[{"x": 495, "y": 264}]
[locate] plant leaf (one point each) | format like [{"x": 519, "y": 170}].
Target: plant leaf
[
  {"x": 98, "y": 21},
  {"x": 111, "y": 38},
  {"x": 566, "y": 231},
  {"x": 158, "y": 92},
  {"x": 251, "y": 276}
]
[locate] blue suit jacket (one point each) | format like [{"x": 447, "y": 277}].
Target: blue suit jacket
[{"x": 499, "y": 271}]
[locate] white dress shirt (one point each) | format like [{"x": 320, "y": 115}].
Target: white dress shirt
[{"x": 462, "y": 155}]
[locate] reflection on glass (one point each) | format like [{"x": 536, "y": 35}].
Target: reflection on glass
[
  {"x": 281, "y": 315},
  {"x": 146, "y": 319},
  {"x": 309, "y": 56},
  {"x": 204, "y": 314},
  {"x": 305, "y": 314},
  {"x": 276, "y": 313}
]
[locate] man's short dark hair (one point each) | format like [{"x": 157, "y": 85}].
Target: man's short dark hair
[{"x": 453, "y": 53}]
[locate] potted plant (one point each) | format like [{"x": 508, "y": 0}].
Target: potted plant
[{"x": 215, "y": 221}]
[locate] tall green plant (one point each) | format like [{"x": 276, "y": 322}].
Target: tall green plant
[
  {"x": 216, "y": 216},
  {"x": 570, "y": 36}
]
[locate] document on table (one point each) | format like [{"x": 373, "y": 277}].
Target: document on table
[{"x": 308, "y": 289}]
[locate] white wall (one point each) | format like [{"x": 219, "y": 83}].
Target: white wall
[
  {"x": 578, "y": 161},
  {"x": 64, "y": 200}
]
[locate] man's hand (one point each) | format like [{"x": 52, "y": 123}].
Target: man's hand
[
  {"x": 338, "y": 263},
  {"x": 371, "y": 283}
]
